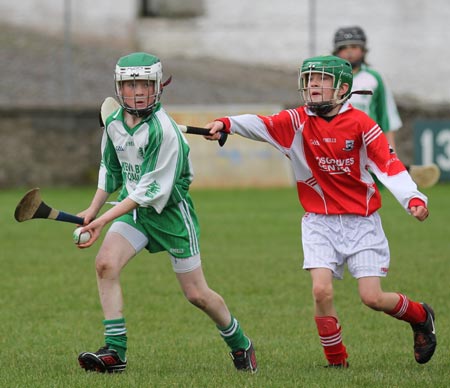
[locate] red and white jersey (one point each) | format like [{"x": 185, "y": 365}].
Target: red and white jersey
[{"x": 331, "y": 159}]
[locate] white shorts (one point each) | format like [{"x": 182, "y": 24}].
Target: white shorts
[
  {"x": 331, "y": 241},
  {"x": 139, "y": 241}
]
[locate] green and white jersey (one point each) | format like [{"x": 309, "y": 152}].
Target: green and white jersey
[
  {"x": 380, "y": 106},
  {"x": 150, "y": 161}
]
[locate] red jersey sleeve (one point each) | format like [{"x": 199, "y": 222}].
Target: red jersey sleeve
[
  {"x": 380, "y": 152},
  {"x": 226, "y": 123},
  {"x": 416, "y": 202},
  {"x": 281, "y": 126}
]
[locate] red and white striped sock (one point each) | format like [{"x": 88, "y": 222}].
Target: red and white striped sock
[
  {"x": 409, "y": 311},
  {"x": 331, "y": 340}
]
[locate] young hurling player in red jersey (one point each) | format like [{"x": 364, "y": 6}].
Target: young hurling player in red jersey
[{"x": 331, "y": 147}]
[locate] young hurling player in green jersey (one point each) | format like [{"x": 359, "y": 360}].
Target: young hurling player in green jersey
[
  {"x": 147, "y": 158},
  {"x": 350, "y": 44}
]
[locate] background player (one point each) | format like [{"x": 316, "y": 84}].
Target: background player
[
  {"x": 331, "y": 145},
  {"x": 146, "y": 156},
  {"x": 350, "y": 44}
]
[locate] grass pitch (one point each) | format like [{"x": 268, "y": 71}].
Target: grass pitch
[{"x": 251, "y": 251}]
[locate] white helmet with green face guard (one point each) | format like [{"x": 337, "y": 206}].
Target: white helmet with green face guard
[
  {"x": 139, "y": 66},
  {"x": 341, "y": 72}
]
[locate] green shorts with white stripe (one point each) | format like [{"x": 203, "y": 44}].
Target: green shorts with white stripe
[{"x": 175, "y": 229}]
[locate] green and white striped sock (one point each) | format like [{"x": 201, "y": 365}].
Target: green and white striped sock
[
  {"x": 116, "y": 336},
  {"x": 234, "y": 336}
]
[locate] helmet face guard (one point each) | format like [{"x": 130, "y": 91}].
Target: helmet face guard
[
  {"x": 139, "y": 67},
  {"x": 340, "y": 72}
]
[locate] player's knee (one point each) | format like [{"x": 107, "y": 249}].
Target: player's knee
[
  {"x": 104, "y": 266},
  {"x": 196, "y": 298},
  {"x": 322, "y": 293},
  {"x": 373, "y": 301}
]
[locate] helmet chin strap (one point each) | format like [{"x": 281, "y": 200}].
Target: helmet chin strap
[
  {"x": 139, "y": 112},
  {"x": 322, "y": 108}
]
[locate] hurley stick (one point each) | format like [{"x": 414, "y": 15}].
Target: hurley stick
[{"x": 32, "y": 207}]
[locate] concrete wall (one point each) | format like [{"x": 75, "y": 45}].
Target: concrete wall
[
  {"x": 47, "y": 147},
  {"x": 43, "y": 147},
  {"x": 106, "y": 20},
  {"x": 240, "y": 162},
  {"x": 114, "y": 21},
  {"x": 51, "y": 146}
]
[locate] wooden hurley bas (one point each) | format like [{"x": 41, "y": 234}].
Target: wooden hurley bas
[{"x": 31, "y": 206}]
